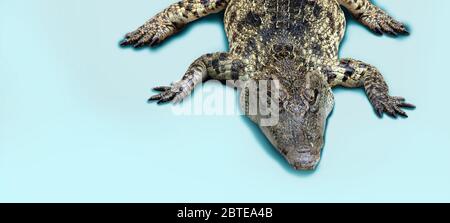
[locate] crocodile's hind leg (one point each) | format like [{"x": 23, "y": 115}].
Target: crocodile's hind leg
[
  {"x": 172, "y": 20},
  {"x": 373, "y": 17},
  {"x": 354, "y": 73},
  {"x": 219, "y": 66}
]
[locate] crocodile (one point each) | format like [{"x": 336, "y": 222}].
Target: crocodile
[{"x": 294, "y": 42}]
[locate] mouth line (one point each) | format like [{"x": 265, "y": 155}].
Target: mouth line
[{"x": 305, "y": 166}]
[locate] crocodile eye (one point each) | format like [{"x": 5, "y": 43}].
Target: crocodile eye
[
  {"x": 311, "y": 95},
  {"x": 277, "y": 48},
  {"x": 316, "y": 95}
]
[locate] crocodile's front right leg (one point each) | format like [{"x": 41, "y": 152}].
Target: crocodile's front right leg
[
  {"x": 218, "y": 66},
  {"x": 171, "y": 20},
  {"x": 373, "y": 17}
]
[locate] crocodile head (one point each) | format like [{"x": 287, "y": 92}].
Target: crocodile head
[{"x": 304, "y": 107}]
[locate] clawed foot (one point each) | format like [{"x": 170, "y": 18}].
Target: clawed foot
[
  {"x": 174, "y": 93},
  {"x": 380, "y": 22},
  {"x": 150, "y": 34},
  {"x": 392, "y": 106}
]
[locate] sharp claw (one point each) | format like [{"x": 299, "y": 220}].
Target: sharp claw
[
  {"x": 154, "y": 41},
  {"x": 139, "y": 44},
  {"x": 400, "y": 112},
  {"x": 393, "y": 33},
  {"x": 162, "y": 88},
  {"x": 407, "y": 105},
  {"x": 163, "y": 101},
  {"x": 403, "y": 114},
  {"x": 404, "y": 29},
  {"x": 402, "y": 99},
  {"x": 387, "y": 28},
  {"x": 378, "y": 31},
  {"x": 379, "y": 113},
  {"x": 155, "y": 98},
  {"x": 387, "y": 109},
  {"x": 403, "y": 32},
  {"x": 391, "y": 113},
  {"x": 398, "y": 27},
  {"x": 124, "y": 42}
]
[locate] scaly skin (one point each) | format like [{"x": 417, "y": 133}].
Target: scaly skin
[{"x": 293, "y": 41}]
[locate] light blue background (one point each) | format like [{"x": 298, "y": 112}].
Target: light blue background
[{"x": 75, "y": 125}]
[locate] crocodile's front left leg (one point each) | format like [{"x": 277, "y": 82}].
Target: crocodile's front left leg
[
  {"x": 218, "y": 66},
  {"x": 354, "y": 73},
  {"x": 171, "y": 20}
]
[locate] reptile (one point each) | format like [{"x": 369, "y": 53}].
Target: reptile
[{"x": 294, "y": 42}]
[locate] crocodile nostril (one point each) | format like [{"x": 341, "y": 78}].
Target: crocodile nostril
[{"x": 304, "y": 150}]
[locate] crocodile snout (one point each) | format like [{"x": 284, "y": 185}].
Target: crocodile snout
[
  {"x": 306, "y": 162},
  {"x": 304, "y": 159}
]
